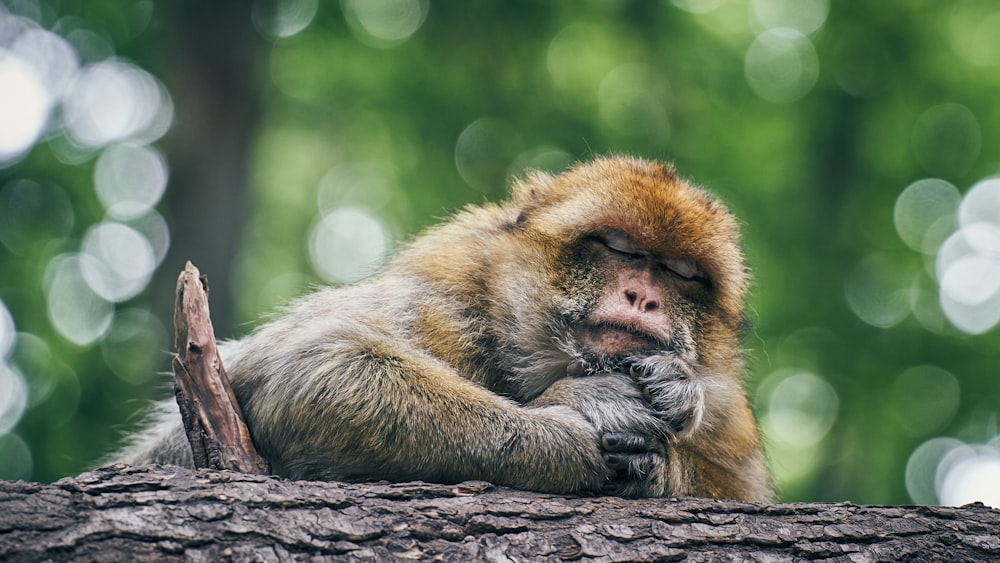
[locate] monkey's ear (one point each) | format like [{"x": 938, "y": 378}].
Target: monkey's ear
[{"x": 531, "y": 187}]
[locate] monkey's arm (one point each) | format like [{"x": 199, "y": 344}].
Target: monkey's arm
[
  {"x": 360, "y": 406},
  {"x": 632, "y": 435}
]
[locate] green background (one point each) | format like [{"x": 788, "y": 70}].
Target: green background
[{"x": 808, "y": 118}]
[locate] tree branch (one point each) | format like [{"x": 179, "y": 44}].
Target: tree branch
[
  {"x": 213, "y": 420},
  {"x": 166, "y": 513}
]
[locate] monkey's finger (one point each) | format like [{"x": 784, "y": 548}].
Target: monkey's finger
[
  {"x": 626, "y": 488},
  {"x": 622, "y": 488},
  {"x": 632, "y": 368},
  {"x": 625, "y": 442},
  {"x": 640, "y": 466},
  {"x": 633, "y": 467},
  {"x": 615, "y": 488},
  {"x": 616, "y": 461},
  {"x": 576, "y": 369}
]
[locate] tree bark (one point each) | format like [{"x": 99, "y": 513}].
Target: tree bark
[
  {"x": 213, "y": 421},
  {"x": 167, "y": 513}
]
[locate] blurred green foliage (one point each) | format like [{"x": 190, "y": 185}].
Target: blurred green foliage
[{"x": 810, "y": 136}]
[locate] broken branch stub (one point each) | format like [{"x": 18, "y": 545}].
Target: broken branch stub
[{"x": 213, "y": 421}]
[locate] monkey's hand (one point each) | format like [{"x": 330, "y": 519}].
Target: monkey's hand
[
  {"x": 631, "y": 434},
  {"x": 672, "y": 388}
]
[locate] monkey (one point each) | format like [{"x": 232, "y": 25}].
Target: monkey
[{"x": 582, "y": 337}]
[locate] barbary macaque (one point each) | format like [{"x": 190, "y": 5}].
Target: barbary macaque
[{"x": 582, "y": 337}]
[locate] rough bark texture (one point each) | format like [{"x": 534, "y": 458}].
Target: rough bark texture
[
  {"x": 213, "y": 420},
  {"x": 166, "y": 513}
]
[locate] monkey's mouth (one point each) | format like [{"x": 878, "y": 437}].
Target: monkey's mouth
[{"x": 615, "y": 339}]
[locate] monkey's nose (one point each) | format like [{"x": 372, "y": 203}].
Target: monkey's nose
[{"x": 640, "y": 301}]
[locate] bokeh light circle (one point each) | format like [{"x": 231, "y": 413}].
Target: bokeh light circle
[
  {"x": 484, "y": 151},
  {"x": 801, "y": 409},
  {"x": 981, "y": 204},
  {"x": 982, "y": 238},
  {"x": 925, "y": 214},
  {"x": 578, "y": 59},
  {"x": 154, "y": 227},
  {"x": 121, "y": 261},
  {"x": 385, "y": 23},
  {"x": 50, "y": 57},
  {"x": 544, "y": 158},
  {"x": 971, "y": 319},
  {"x": 130, "y": 179},
  {"x": 921, "y": 468},
  {"x": 371, "y": 184},
  {"x": 973, "y": 30},
  {"x": 24, "y": 107},
  {"x": 76, "y": 311},
  {"x": 33, "y": 356},
  {"x": 781, "y": 65},
  {"x": 698, "y": 6},
  {"x": 283, "y": 18},
  {"x": 969, "y": 474},
  {"x": 968, "y": 262},
  {"x": 804, "y": 16},
  {"x": 348, "y": 244},
  {"x": 972, "y": 280},
  {"x": 15, "y": 458},
  {"x": 13, "y": 397},
  {"x": 7, "y": 331},
  {"x": 115, "y": 100},
  {"x": 633, "y": 99},
  {"x": 875, "y": 293},
  {"x": 36, "y": 69}
]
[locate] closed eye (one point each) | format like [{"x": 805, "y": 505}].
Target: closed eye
[
  {"x": 621, "y": 243},
  {"x": 684, "y": 268}
]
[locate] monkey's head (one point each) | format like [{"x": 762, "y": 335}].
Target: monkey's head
[{"x": 637, "y": 262}]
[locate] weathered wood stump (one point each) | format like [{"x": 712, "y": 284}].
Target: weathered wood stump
[{"x": 213, "y": 420}]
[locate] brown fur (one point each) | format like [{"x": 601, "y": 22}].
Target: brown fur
[{"x": 452, "y": 363}]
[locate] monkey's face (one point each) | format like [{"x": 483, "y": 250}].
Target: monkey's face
[
  {"x": 622, "y": 298},
  {"x": 636, "y": 303},
  {"x": 640, "y": 262}
]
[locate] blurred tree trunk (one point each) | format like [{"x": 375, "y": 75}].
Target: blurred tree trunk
[
  {"x": 164, "y": 513},
  {"x": 210, "y": 68}
]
